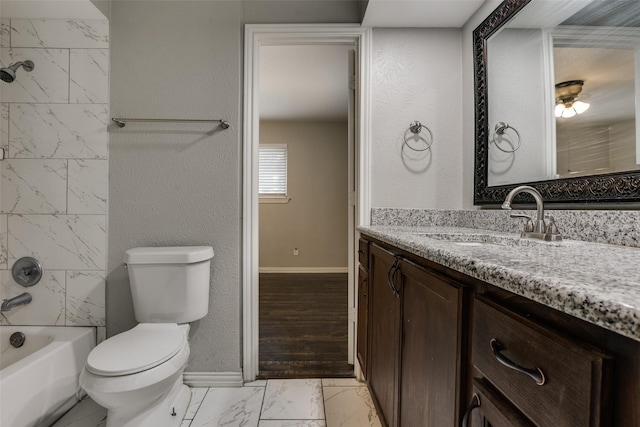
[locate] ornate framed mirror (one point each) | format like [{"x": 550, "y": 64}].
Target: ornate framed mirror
[{"x": 579, "y": 29}]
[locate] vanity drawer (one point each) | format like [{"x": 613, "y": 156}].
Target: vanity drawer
[
  {"x": 572, "y": 375},
  {"x": 488, "y": 407},
  {"x": 363, "y": 253}
]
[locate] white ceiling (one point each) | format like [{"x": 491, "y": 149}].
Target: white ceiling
[
  {"x": 420, "y": 13},
  {"x": 310, "y": 82},
  {"x": 609, "y": 81},
  {"x": 303, "y": 83}
]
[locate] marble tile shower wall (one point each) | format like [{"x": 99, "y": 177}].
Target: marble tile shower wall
[
  {"x": 615, "y": 227},
  {"x": 53, "y": 184}
]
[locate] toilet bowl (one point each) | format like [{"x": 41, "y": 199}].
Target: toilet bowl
[{"x": 137, "y": 375}]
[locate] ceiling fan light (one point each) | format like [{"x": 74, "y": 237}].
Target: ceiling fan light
[
  {"x": 580, "y": 107},
  {"x": 559, "y": 109},
  {"x": 568, "y": 112}
]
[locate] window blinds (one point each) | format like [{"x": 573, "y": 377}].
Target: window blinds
[{"x": 272, "y": 170}]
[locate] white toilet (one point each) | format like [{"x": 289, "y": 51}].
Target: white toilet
[{"x": 137, "y": 375}]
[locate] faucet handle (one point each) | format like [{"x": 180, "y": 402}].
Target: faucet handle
[
  {"x": 552, "y": 228},
  {"x": 528, "y": 227}
]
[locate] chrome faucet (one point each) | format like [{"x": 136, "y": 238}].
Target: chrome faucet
[
  {"x": 21, "y": 299},
  {"x": 543, "y": 228}
]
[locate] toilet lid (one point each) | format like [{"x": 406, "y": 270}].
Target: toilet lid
[{"x": 141, "y": 348}]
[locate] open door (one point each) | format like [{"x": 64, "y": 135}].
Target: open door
[{"x": 352, "y": 205}]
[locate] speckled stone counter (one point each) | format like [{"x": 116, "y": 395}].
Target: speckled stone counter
[
  {"x": 594, "y": 282},
  {"x": 599, "y": 226}
]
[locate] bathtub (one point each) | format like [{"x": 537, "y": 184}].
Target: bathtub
[{"x": 39, "y": 380}]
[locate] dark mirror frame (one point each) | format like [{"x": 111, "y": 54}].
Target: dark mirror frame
[{"x": 604, "y": 188}]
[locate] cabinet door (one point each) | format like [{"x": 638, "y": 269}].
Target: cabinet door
[
  {"x": 363, "y": 313},
  {"x": 384, "y": 333},
  {"x": 431, "y": 340}
]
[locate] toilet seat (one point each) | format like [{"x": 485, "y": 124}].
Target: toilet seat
[{"x": 145, "y": 346}]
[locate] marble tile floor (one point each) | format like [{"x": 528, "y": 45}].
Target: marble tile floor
[{"x": 340, "y": 402}]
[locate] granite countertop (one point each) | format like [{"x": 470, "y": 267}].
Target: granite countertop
[{"x": 595, "y": 282}]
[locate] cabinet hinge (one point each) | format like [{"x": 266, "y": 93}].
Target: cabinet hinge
[
  {"x": 352, "y": 198},
  {"x": 1, "y": 153},
  {"x": 352, "y": 82},
  {"x": 352, "y": 314}
]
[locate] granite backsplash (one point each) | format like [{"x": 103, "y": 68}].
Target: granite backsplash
[{"x": 615, "y": 227}]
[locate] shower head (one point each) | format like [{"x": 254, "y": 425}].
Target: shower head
[{"x": 8, "y": 74}]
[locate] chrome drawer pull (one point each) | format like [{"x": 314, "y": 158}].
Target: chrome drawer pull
[
  {"x": 535, "y": 374},
  {"x": 475, "y": 403},
  {"x": 392, "y": 271}
]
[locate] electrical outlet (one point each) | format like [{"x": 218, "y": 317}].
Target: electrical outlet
[{"x": 295, "y": 251}]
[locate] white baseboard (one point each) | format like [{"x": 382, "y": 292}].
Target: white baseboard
[
  {"x": 317, "y": 270},
  {"x": 213, "y": 379}
]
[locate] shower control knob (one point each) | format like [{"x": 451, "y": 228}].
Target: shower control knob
[{"x": 27, "y": 271}]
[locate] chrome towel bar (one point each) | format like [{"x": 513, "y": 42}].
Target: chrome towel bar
[{"x": 121, "y": 122}]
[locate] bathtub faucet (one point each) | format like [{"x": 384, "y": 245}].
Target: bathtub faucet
[{"x": 21, "y": 299}]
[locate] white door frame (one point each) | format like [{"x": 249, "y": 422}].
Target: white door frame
[{"x": 264, "y": 35}]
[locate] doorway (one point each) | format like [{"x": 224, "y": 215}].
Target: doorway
[
  {"x": 304, "y": 173},
  {"x": 257, "y": 36}
]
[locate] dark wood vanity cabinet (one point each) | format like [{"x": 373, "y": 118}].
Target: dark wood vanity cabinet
[
  {"x": 437, "y": 339},
  {"x": 363, "y": 318},
  {"x": 414, "y": 342},
  {"x": 489, "y": 409},
  {"x": 363, "y": 306},
  {"x": 384, "y": 335},
  {"x": 551, "y": 379},
  {"x": 591, "y": 375},
  {"x": 430, "y": 347}
]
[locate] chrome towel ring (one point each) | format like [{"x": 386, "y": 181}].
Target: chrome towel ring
[
  {"x": 417, "y": 128},
  {"x": 501, "y": 129}
]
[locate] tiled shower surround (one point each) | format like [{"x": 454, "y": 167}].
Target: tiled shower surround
[{"x": 53, "y": 186}]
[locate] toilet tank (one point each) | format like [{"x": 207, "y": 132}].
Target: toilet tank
[{"x": 169, "y": 284}]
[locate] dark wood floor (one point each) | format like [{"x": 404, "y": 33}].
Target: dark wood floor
[{"x": 303, "y": 326}]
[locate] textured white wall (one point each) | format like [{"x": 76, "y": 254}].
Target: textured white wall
[
  {"x": 416, "y": 76},
  {"x": 174, "y": 184},
  {"x": 515, "y": 74},
  {"x": 181, "y": 184}
]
